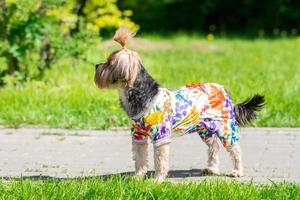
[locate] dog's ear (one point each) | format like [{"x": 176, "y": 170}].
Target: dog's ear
[
  {"x": 133, "y": 72},
  {"x": 121, "y": 66},
  {"x": 127, "y": 61},
  {"x": 126, "y": 67}
]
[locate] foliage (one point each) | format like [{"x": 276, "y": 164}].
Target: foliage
[
  {"x": 67, "y": 96},
  {"x": 22, "y": 30},
  {"x": 105, "y": 13},
  {"x": 250, "y": 17},
  {"x": 34, "y": 34},
  {"x": 118, "y": 187},
  {"x": 95, "y": 15}
]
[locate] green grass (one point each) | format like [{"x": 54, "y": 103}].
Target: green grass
[
  {"x": 67, "y": 96},
  {"x": 128, "y": 188}
]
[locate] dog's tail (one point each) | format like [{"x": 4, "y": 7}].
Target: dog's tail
[{"x": 245, "y": 112}]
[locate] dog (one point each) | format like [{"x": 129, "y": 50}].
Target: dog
[{"x": 156, "y": 112}]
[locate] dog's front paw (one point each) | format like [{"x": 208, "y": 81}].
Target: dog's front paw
[
  {"x": 159, "y": 179},
  {"x": 236, "y": 173},
  {"x": 140, "y": 174},
  {"x": 211, "y": 171}
]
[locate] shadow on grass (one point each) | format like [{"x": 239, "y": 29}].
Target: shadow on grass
[{"x": 150, "y": 174}]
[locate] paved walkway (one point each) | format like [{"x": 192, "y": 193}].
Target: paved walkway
[{"x": 269, "y": 154}]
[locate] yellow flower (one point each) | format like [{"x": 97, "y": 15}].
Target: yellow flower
[
  {"x": 156, "y": 117},
  {"x": 210, "y": 37}
]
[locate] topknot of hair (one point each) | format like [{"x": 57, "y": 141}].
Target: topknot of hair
[{"x": 122, "y": 36}]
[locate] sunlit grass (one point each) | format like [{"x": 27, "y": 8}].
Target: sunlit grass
[
  {"x": 67, "y": 96},
  {"x": 129, "y": 188}
]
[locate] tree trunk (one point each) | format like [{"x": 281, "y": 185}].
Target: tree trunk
[
  {"x": 13, "y": 64},
  {"x": 80, "y": 4},
  {"x": 46, "y": 58},
  {"x": 3, "y": 20}
]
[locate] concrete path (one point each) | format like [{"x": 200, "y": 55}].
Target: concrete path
[{"x": 268, "y": 154}]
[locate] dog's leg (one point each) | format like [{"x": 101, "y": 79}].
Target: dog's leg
[
  {"x": 213, "y": 158},
  {"x": 161, "y": 162},
  {"x": 236, "y": 156},
  {"x": 140, "y": 156}
]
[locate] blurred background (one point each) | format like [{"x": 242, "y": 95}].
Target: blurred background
[
  {"x": 234, "y": 17},
  {"x": 48, "y": 50}
]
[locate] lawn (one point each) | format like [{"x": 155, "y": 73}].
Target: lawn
[
  {"x": 128, "y": 188},
  {"x": 67, "y": 96}
]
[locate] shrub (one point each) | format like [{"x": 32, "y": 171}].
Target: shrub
[{"x": 34, "y": 34}]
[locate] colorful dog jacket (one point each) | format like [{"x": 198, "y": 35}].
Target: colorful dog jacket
[{"x": 205, "y": 108}]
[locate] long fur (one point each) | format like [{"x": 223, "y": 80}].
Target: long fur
[
  {"x": 245, "y": 112},
  {"x": 140, "y": 156},
  {"x": 213, "y": 158},
  {"x": 236, "y": 156},
  {"x": 134, "y": 100},
  {"x": 122, "y": 36},
  {"x": 161, "y": 161}
]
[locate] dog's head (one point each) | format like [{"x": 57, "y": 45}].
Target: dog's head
[{"x": 121, "y": 67}]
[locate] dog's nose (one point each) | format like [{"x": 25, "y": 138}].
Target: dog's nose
[{"x": 96, "y": 66}]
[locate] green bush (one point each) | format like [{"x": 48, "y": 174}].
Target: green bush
[
  {"x": 22, "y": 30},
  {"x": 36, "y": 33}
]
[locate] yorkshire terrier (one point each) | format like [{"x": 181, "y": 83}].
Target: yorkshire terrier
[{"x": 156, "y": 112}]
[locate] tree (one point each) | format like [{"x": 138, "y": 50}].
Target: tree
[{"x": 35, "y": 33}]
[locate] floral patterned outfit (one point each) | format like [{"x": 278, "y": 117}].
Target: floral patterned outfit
[{"x": 205, "y": 108}]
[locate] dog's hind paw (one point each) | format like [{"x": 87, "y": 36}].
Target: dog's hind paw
[{"x": 236, "y": 173}]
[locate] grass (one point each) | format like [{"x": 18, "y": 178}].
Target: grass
[
  {"x": 129, "y": 188},
  {"x": 67, "y": 96}
]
